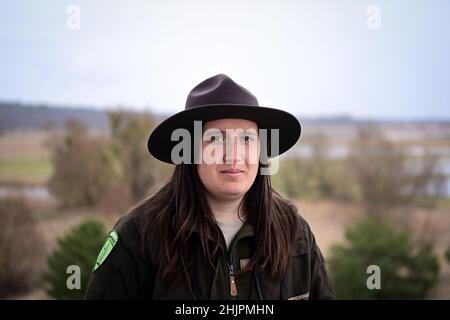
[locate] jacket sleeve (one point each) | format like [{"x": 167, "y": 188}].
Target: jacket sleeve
[
  {"x": 114, "y": 277},
  {"x": 124, "y": 274},
  {"x": 321, "y": 286}
]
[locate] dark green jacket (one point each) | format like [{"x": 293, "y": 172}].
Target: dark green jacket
[{"x": 126, "y": 274}]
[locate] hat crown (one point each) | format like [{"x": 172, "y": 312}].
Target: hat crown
[{"x": 219, "y": 89}]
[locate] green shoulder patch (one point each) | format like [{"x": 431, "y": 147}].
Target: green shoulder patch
[{"x": 106, "y": 249}]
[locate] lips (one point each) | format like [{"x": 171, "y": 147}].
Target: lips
[
  {"x": 232, "y": 171},
  {"x": 234, "y": 174}
]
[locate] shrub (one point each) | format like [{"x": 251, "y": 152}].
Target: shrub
[
  {"x": 79, "y": 247},
  {"x": 447, "y": 254},
  {"x": 406, "y": 273},
  {"x": 84, "y": 167},
  {"x": 20, "y": 247}
]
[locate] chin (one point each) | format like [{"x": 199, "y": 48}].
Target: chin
[{"x": 234, "y": 192}]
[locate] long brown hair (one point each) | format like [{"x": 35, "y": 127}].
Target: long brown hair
[{"x": 182, "y": 199}]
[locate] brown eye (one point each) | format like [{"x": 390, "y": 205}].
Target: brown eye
[
  {"x": 215, "y": 138},
  {"x": 248, "y": 138}
]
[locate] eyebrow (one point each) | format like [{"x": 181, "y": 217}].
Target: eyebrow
[{"x": 245, "y": 131}]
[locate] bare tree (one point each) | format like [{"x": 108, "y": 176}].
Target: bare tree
[
  {"x": 384, "y": 172},
  {"x": 84, "y": 168}
]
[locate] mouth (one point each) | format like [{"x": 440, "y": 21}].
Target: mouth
[{"x": 232, "y": 172}]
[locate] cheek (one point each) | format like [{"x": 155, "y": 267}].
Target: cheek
[
  {"x": 252, "y": 172},
  {"x": 207, "y": 174},
  {"x": 252, "y": 153},
  {"x": 252, "y": 160}
]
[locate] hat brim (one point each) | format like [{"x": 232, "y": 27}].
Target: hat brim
[{"x": 160, "y": 144}]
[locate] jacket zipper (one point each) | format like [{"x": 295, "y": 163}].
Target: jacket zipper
[{"x": 233, "y": 288}]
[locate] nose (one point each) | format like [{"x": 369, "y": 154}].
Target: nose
[{"x": 234, "y": 151}]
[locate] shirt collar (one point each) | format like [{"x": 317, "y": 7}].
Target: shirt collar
[{"x": 247, "y": 230}]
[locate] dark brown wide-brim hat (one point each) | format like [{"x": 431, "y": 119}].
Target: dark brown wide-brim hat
[{"x": 219, "y": 97}]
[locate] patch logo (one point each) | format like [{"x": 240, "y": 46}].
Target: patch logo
[
  {"x": 244, "y": 263},
  {"x": 106, "y": 249}
]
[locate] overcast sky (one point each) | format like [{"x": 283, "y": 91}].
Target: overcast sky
[{"x": 312, "y": 58}]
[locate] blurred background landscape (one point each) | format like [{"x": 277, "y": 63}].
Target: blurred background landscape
[
  {"x": 65, "y": 168},
  {"x": 83, "y": 84}
]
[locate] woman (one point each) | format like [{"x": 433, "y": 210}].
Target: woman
[{"x": 216, "y": 229}]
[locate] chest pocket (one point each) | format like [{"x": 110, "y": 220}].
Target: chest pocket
[
  {"x": 297, "y": 276},
  {"x": 299, "y": 248}
]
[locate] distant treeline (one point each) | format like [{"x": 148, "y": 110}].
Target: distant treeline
[
  {"x": 18, "y": 116},
  {"x": 14, "y": 115}
]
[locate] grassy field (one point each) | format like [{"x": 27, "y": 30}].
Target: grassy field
[
  {"x": 25, "y": 170},
  {"x": 24, "y": 158}
]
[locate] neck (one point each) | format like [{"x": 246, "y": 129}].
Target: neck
[{"x": 224, "y": 210}]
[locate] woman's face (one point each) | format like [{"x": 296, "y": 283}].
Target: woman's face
[{"x": 230, "y": 157}]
